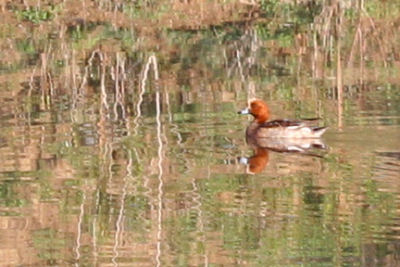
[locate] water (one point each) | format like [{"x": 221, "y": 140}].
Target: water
[
  {"x": 79, "y": 188},
  {"x": 131, "y": 152}
]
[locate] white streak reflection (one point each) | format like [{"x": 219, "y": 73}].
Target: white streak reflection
[
  {"x": 120, "y": 220},
  {"x": 141, "y": 93},
  {"x": 160, "y": 159},
  {"x": 79, "y": 230}
]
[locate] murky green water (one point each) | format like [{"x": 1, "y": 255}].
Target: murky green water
[{"x": 121, "y": 154}]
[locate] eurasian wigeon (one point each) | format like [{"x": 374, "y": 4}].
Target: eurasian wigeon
[{"x": 282, "y": 128}]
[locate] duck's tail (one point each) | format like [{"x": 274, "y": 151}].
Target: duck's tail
[{"x": 318, "y": 131}]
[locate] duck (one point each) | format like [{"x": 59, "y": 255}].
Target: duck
[{"x": 261, "y": 127}]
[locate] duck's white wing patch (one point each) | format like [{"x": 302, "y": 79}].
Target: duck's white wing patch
[{"x": 294, "y": 127}]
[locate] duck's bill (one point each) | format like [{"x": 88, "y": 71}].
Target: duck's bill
[
  {"x": 244, "y": 111},
  {"x": 243, "y": 160}
]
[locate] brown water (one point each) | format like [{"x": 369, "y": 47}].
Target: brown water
[{"x": 110, "y": 157}]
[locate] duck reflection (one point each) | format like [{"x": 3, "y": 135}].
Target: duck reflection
[{"x": 262, "y": 146}]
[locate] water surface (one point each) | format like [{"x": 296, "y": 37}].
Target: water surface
[{"x": 121, "y": 146}]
